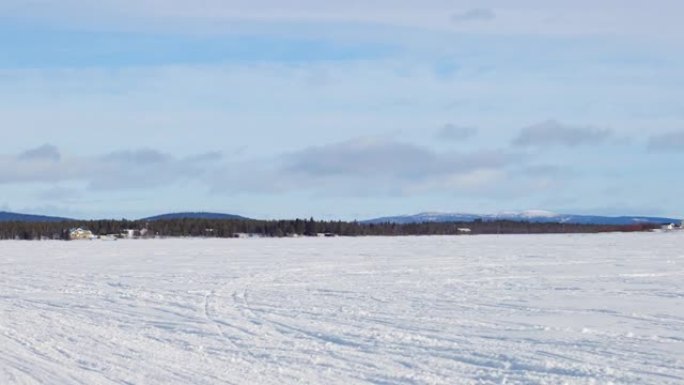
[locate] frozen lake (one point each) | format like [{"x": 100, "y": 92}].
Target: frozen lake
[{"x": 551, "y": 309}]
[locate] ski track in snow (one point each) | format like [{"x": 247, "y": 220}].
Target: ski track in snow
[{"x": 549, "y": 309}]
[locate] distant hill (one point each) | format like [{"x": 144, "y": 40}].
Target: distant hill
[
  {"x": 535, "y": 216},
  {"x": 16, "y": 217},
  {"x": 194, "y": 215}
]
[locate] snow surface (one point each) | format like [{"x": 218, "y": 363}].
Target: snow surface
[{"x": 552, "y": 309}]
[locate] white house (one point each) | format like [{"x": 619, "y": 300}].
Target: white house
[
  {"x": 134, "y": 234},
  {"x": 672, "y": 227},
  {"x": 130, "y": 233}
]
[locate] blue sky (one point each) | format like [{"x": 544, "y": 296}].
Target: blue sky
[{"x": 341, "y": 109}]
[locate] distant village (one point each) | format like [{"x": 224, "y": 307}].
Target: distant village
[{"x": 80, "y": 234}]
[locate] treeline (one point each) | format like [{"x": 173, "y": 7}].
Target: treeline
[{"x": 296, "y": 227}]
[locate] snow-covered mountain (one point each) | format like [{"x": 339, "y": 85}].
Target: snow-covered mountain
[{"x": 528, "y": 216}]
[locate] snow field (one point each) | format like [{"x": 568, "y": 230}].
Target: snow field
[{"x": 538, "y": 309}]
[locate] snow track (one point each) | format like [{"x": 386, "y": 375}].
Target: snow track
[{"x": 555, "y": 309}]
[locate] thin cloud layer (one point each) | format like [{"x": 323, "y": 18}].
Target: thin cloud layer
[
  {"x": 476, "y": 14},
  {"x": 667, "y": 142},
  {"x": 524, "y": 16},
  {"x": 455, "y": 133},
  {"x": 555, "y": 134},
  {"x": 45, "y": 152}
]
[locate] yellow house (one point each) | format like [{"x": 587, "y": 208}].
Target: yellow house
[{"x": 80, "y": 234}]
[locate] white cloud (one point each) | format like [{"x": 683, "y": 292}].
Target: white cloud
[
  {"x": 45, "y": 152},
  {"x": 367, "y": 166},
  {"x": 451, "y": 132},
  {"x": 131, "y": 169},
  {"x": 475, "y": 14},
  {"x": 553, "y": 133}
]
